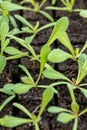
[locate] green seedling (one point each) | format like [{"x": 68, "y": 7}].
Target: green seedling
[
  {"x": 68, "y": 6},
  {"x": 83, "y": 13},
  {"x": 50, "y": 73},
  {"x": 59, "y": 32},
  {"x": 31, "y": 117},
  {"x": 66, "y": 115},
  {"x": 28, "y": 82},
  {"x": 37, "y": 8},
  {"x": 6, "y": 7},
  {"x": 29, "y": 28},
  {"x": 5, "y": 48}
]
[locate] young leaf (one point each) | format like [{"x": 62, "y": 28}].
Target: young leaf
[
  {"x": 75, "y": 107},
  {"x": 24, "y": 21},
  {"x": 82, "y": 69},
  {"x": 49, "y": 17},
  {"x": 60, "y": 27},
  {"x": 2, "y": 63},
  {"x": 12, "y": 51},
  {"x": 11, "y": 121},
  {"x": 26, "y": 72},
  {"x": 54, "y": 109},
  {"x": 58, "y": 55},
  {"x": 64, "y": 39},
  {"x": 4, "y": 31},
  {"x": 43, "y": 56},
  {"x": 83, "y": 13},
  {"x": 22, "y": 108},
  {"x": 65, "y": 117},
  {"x": 50, "y": 73},
  {"x": 6, "y": 102},
  {"x": 8, "y": 6},
  {"x": 21, "y": 88},
  {"x": 46, "y": 98},
  {"x": 84, "y": 91}
]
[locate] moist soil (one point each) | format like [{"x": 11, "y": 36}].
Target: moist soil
[{"x": 77, "y": 32}]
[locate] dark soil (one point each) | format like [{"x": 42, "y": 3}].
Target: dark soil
[{"x": 77, "y": 32}]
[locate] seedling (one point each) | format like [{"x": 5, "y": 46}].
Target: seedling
[
  {"x": 68, "y": 6},
  {"x": 4, "y": 48},
  {"x": 28, "y": 82},
  {"x": 50, "y": 73},
  {"x": 59, "y": 32},
  {"x": 29, "y": 28},
  {"x": 6, "y": 7},
  {"x": 66, "y": 115},
  {"x": 37, "y": 8},
  {"x": 32, "y": 118}
]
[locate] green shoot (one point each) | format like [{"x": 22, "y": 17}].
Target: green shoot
[
  {"x": 31, "y": 118},
  {"x": 59, "y": 32},
  {"x": 37, "y": 8},
  {"x": 68, "y": 6}
]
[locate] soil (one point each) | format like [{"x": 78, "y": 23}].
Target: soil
[{"x": 77, "y": 33}]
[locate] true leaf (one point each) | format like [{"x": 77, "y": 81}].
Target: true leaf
[
  {"x": 54, "y": 109},
  {"x": 2, "y": 63},
  {"x": 60, "y": 27},
  {"x": 43, "y": 56},
  {"x": 58, "y": 55},
  {"x": 46, "y": 98},
  {"x": 22, "y": 108},
  {"x": 21, "y": 88},
  {"x": 50, "y": 73},
  {"x": 65, "y": 117},
  {"x": 11, "y": 121}
]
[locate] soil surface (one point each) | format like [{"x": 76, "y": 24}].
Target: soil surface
[{"x": 78, "y": 34}]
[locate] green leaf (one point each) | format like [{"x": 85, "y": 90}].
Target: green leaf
[
  {"x": 18, "y": 88},
  {"x": 50, "y": 73},
  {"x": 46, "y": 98},
  {"x": 49, "y": 17},
  {"x": 75, "y": 107},
  {"x": 84, "y": 91},
  {"x": 27, "y": 80},
  {"x": 58, "y": 55},
  {"x": 43, "y": 56},
  {"x": 60, "y": 27},
  {"x": 24, "y": 21},
  {"x": 13, "y": 22},
  {"x": 54, "y": 109},
  {"x": 8, "y": 6},
  {"x": 64, "y": 40},
  {"x": 65, "y": 117},
  {"x": 21, "y": 88},
  {"x": 12, "y": 51},
  {"x": 26, "y": 72},
  {"x": 2, "y": 63},
  {"x": 11, "y": 121},
  {"x": 82, "y": 69},
  {"x": 22, "y": 108},
  {"x": 6, "y": 102},
  {"x": 4, "y": 31},
  {"x": 83, "y": 13}
]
